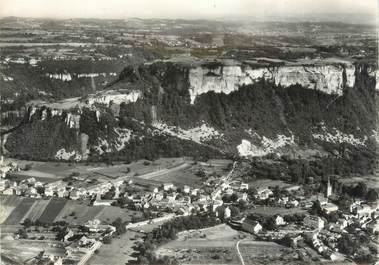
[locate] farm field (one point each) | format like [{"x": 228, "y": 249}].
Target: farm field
[
  {"x": 52, "y": 210},
  {"x": 15, "y": 210},
  {"x": 7, "y": 205},
  {"x": 37, "y": 209},
  {"x": 19, "y": 212},
  {"x": 179, "y": 170}
]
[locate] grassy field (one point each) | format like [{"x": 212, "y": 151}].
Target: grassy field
[
  {"x": 119, "y": 252},
  {"x": 269, "y": 211},
  {"x": 110, "y": 213},
  {"x": 21, "y": 251},
  {"x": 259, "y": 252},
  {"x": 265, "y": 183},
  {"x": 214, "y": 245},
  {"x": 78, "y": 212}
]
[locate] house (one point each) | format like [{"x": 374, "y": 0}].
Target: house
[
  {"x": 342, "y": 223},
  {"x": 373, "y": 227},
  {"x": 227, "y": 213},
  {"x": 292, "y": 203},
  {"x": 186, "y": 189},
  {"x": 216, "y": 204},
  {"x": 322, "y": 200},
  {"x": 243, "y": 196},
  {"x": 194, "y": 192},
  {"x": 251, "y": 226},
  {"x": 31, "y": 192},
  {"x": 8, "y": 191},
  {"x": 172, "y": 197},
  {"x": 279, "y": 220},
  {"x": 244, "y": 186},
  {"x": 263, "y": 194},
  {"x": 168, "y": 186},
  {"x": 363, "y": 211},
  {"x": 103, "y": 202},
  {"x": 329, "y": 208},
  {"x": 3, "y": 184},
  {"x": 313, "y": 221},
  {"x": 158, "y": 197},
  {"x": 74, "y": 194},
  {"x": 292, "y": 188}
]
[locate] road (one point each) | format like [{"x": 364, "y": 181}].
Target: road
[
  {"x": 164, "y": 171},
  {"x": 239, "y": 252}
]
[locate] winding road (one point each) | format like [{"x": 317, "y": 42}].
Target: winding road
[{"x": 239, "y": 252}]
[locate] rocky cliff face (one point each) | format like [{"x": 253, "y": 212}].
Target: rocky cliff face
[
  {"x": 330, "y": 79},
  {"x": 246, "y": 109}
]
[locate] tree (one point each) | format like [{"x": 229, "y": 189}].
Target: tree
[
  {"x": 372, "y": 195},
  {"x": 28, "y": 167},
  {"x": 40, "y": 190},
  {"x": 360, "y": 190},
  {"x": 27, "y": 223},
  {"x": 107, "y": 240},
  {"x": 347, "y": 244},
  {"x": 270, "y": 224},
  {"x": 234, "y": 211},
  {"x": 201, "y": 173},
  {"x": 22, "y": 233},
  {"x": 316, "y": 208}
]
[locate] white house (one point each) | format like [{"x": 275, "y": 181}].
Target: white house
[
  {"x": 186, "y": 189},
  {"x": 244, "y": 186},
  {"x": 263, "y": 194},
  {"x": 279, "y": 220},
  {"x": 168, "y": 186},
  {"x": 227, "y": 213}
]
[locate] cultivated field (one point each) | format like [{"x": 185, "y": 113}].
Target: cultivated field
[
  {"x": 7, "y": 205},
  {"x": 14, "y": 210},
  {"x": 19, "y": 212}
]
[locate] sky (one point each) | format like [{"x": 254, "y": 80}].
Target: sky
[{"x": 183, "y": 8}]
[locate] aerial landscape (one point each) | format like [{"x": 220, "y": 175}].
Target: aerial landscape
[{"x": 164, "y": 137}]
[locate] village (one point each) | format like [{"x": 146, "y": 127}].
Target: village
[{"x": 322, "y": 222}]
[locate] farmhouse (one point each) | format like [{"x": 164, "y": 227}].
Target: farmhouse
[{"x": 251, "y": 226}]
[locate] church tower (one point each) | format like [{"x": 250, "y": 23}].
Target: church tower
[{"x": 329, "y": 189}]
